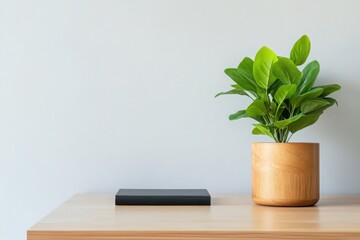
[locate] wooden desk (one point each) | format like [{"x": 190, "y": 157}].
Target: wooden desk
[{"x": 230, "y": 217}]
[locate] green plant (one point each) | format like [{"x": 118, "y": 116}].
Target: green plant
[{"x": 284, "y": 99}]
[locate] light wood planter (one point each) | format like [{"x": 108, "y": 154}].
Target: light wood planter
[{"x": 285, "y": 174}]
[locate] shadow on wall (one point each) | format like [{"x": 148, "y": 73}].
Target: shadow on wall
[{"x": 338, "y": 125}]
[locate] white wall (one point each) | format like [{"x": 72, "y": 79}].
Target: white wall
[{"x": 97, "y": 95}]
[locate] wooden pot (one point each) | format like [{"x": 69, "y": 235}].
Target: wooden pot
[{"x": 285, "y": 174}]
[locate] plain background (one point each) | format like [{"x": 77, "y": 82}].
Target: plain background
[{"x": 97, "y": 95}]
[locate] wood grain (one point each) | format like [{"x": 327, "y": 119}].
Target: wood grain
[
  {"x": 285, "y": 174},
  {"x": 96, "y": 217}
]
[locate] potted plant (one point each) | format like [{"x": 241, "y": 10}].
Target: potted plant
[{"x": 284, "y": 101}]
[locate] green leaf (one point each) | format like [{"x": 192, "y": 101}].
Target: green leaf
[
  {"x": 329, "y": 89},
  {"x": 309, "y": 106},
  {"x": 238, "y": 115},
  {"x": 274, "y": 87},
  {"x": 309, "y": 76},
  {"x": 245, "y": 69},
  {"x": 296, "y": 101},
  {"x": 256, "y": 108},
  {"x": 264, "y": 59},
  {"x": 234, "y": 75},
  {"x": 303, "y": 122},
  {"x": 273, "y": 106},
  {"x": 284, "y": 92},
  {"x": 238, "y": 91},
  {"x": 284, "y": 123},
  {"x": 286, "y": 71},
  {"x": 260, "y": 129},
  {"x": 331, "y": 101},
  {"x": 300, "y": 50},
  {"x": 240, "y": 80}
]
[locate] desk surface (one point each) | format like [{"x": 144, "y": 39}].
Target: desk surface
[{"x": 229, "y": 217}]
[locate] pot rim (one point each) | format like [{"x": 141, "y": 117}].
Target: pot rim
[{"x": 290, "y": 143}]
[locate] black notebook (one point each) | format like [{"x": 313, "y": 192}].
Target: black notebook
[{"x": 162, "y": 197}]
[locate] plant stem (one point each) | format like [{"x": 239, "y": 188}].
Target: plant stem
[
  {"x": 275, "y": 134},
  {"x": 285, "y": 135},
  {"x": 290, "y": 136}
]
